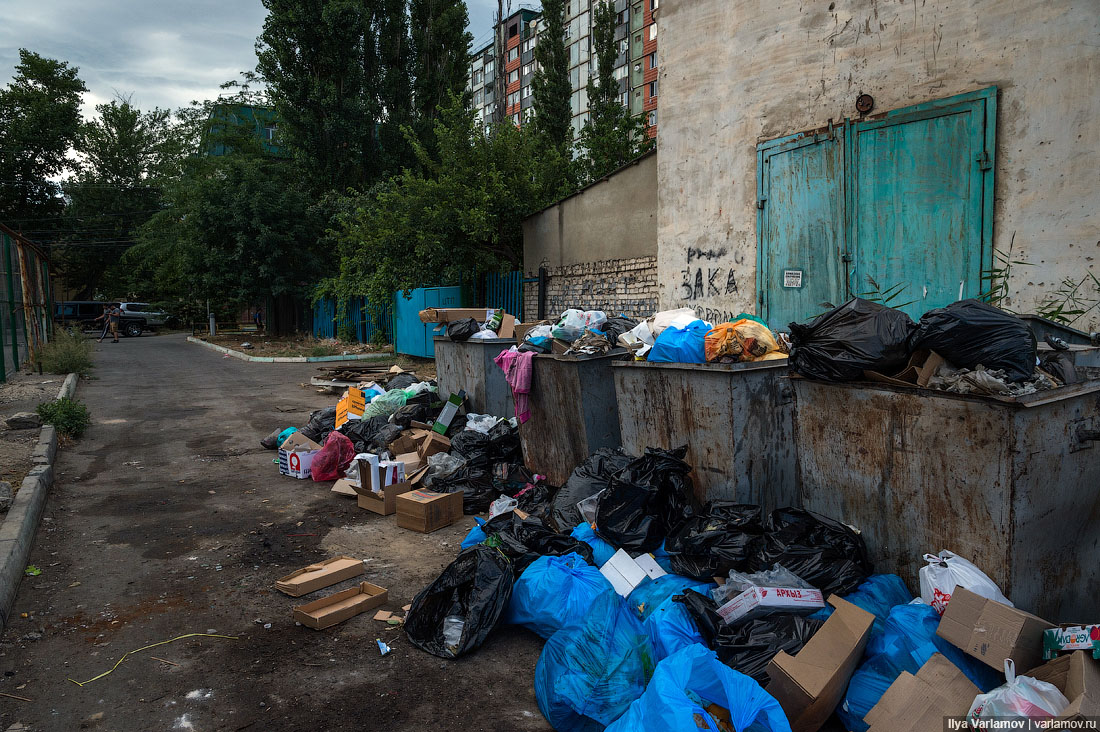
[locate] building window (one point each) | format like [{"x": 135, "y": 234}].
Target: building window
[
  {"x": 653, "y": 60},
  {"x": 653, "y": 118},
  {"x": 513, "y": 54},
  {"x": 270, "y": 130},
  {"x": 513, "y": 30},
  {"x": 653, "y": 32},
  {"x": 622, "y": 72},
  {"x": 638, "y": 38},
  {"x": 528, "y": 45},
  {"x": 528, "y": 69},
  {"x": 513, "y": 76},
  {"x": 477, "y": 78},
  {"x": 488, "y": 69},
  {"x": 528, "y": 91},
  {"x": 652, "y": 89},
  {"x": 624, "y": 99},
  {"x": 515, "y": 119},
  {"x": 624, "y": 45},
  {"x": 513, "y": 99}
]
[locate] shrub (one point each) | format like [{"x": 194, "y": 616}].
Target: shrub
[
  {"x": 68, "y": 353},
  {"x": 319, "y": 351},
  {"x": 68, "y": 416}
]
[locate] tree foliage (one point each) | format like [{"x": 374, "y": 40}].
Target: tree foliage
[
  {"x": 550, "y": 85},
  {"x": 39, "y": 123},
  {"x": 441, "y": 56},
  {"x": 612, "y": 136}
]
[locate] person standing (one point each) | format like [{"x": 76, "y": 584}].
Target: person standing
[
  {"x": 258, "y": 319},
  {"x": 115, "y": 314},
  {"x": 106, "y": 318}
]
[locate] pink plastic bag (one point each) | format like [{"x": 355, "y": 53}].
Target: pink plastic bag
[{"x": 333, "y": 459}]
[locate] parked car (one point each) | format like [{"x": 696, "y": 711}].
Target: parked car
[
  {"x": 83, "y": 314},
  {"x": 153, "y": 318}
]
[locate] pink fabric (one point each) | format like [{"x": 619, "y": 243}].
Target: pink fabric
[{"x": 517, "y": 369}]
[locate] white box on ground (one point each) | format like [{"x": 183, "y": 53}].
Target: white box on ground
[
  {"x": 295, "y": 463},
  {"x": 623, "y": 572},
  {"x": 649, "y": 566},
  {"x": 757, "y": 601},
  {"x": 388, "y": 472}
]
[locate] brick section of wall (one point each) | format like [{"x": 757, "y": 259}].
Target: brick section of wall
[{"x": 614, "y": 286}]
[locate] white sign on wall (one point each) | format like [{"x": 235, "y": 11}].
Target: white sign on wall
[{"x": 792, "y": 278}]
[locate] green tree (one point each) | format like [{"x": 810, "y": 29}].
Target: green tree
[
  {"x": 39, "y": 124},
  {"x": 612, "y": 136},
  {"x": 441, "y": 59},
  {"x": 394, "y": 89},
  {"x": 126, "y": 156},
  {"x": 320, "y": 62},
  {"x": 552, "y": 90}
]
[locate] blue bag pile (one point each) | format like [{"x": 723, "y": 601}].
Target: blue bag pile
[
  {"x": 680, "y": 345},
  {"x": 555, "y": 592},
  {"x": 651, "y": 593},
  {"x": 671, "y": 628},
  {"x": 476, "y": 535},
  {"x": 601, "y": 550}
]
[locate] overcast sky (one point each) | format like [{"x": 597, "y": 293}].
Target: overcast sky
[{"x": 164, "y": 53}]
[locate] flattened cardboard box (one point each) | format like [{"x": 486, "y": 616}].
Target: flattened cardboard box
[
  {"x": 329, "y": 611},
  {"x": 425, "y": 511},
  {"x": 918, "y": 703},
  {"x": 320, "y": 575},
  {"x": 810, "y": 685},
  {"x": 449, "y": 315},
  {"x": 1078, "y": 677},
  {"x": 992, "y": 632}
]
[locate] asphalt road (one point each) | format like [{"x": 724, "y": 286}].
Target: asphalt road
[{"x": 168, "y": 518}]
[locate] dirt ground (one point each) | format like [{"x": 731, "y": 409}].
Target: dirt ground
[
  {"x": 22, "y": 392},
  {"x": 168, "y": 518},
  {"x": 263, "y": 345}
]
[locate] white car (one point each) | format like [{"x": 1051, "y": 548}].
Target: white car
[{"x": 153, "y": 318}]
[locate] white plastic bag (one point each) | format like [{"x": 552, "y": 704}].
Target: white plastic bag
[
  {"x": 593, "y": 319},
  {"x": 671, "y": 318},
  {"x": 588, "y": 506},
  {"x": 442, "y": 465},
  {"x": 1021, "y": 697},
  {"x": 539, "y": 331},
  {"x": 484, "y": 335},
  {"x": 571, "y": 325},
  {"x": 481, "y": 422},
  {"x": 504, "y": 504},
  {"x": 944, "y": 572}
]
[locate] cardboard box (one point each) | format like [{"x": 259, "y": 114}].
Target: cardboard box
[
  {"x": 449, "y": 315},
  {"x": 1066, "y": 638},
  {"x": 425, "y": 511},
  {"x": 507, "y": 327},
  {"x": 623, "y": 572},
  {"x": 385, "y": 503},
  {"x": 344, "y": 487},
  {"x": 411, "y": 461},
  {"x": 297, "y": 464},
  {"x": 992, "y": 632},
  {"x": 367, "y": 471},
  {"x": 920, "y": 369},
  {"x": 319, "y": 576},
  {"x": 297, "y": 442},
  {"x": 390, "y": 472},
  {"x": 433, "y": 444},
  {"x": 919, "y": 703},
  {"x": 649, "y": 566},
  {"x": 329, "y": 611},
  {"x": 810, "y": 685},
  {"x": 558, "y": 346},
  {"x": 758, "y": 601},
  {"x": 1078, "y": 677}
]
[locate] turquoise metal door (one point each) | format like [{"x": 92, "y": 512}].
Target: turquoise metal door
[
  {"x": 920, "y": 202},
  {"x": 412, "y": 337},
  {"x": 800, "y": 220}
]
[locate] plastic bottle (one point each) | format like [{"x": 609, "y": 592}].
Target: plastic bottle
[{"x": 452, "y": 632}]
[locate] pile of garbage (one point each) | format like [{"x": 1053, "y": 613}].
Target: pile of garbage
[
  {"x": 968, "y": 347},
  {"x": 660, "y": 613}
]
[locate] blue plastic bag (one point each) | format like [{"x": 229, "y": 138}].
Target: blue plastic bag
[
  {"x": 476, "y": 535},
  {"x": 601, "y": 550},
  {"x": 589, "y": 674},
  {"x": 554, "y": 592},
  {"x": 661, "y": 556},
  {"x": 692, "y": 675},
  {"x": 671, "y": 628},
  {"x": 647, "y": 596},
  {"x": 680, "y": 345},
  {"x": 878, "y": 594}
]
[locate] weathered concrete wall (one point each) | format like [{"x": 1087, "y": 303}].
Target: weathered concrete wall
[
  {"x": 615, "y": 286},
  {"x": 615, "y": 218},
  {"x": 737, "y": 72}
]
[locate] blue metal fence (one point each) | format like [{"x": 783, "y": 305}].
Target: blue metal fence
[
  {"x": 356, "y": 316},
  {"x": 505, "y": 290}
]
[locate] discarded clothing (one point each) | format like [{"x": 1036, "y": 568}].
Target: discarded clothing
[{"x": 517, "y": 369}]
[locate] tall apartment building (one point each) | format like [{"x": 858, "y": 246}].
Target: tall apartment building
[{"x": 635, "y": 68}]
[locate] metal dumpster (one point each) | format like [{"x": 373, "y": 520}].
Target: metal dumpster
[
  {"x": 470, "y": 366},
  {"x": 736, "y": 419},
  {"x": 1013, "y": 485},
  {"x": 573, "y": 413}
]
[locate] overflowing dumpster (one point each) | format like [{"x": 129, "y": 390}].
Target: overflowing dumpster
[
  {"x": 736, "y": 420},
  {"x": 573, "y": 413},
  {"x": 1009, "y": 483},
  {"x": 469, "y": 366}
]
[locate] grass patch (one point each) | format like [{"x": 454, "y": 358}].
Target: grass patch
[
  {"x": 69, "y": 416},
  {"x": 320, "y": 351},
  {"x": 68, "y": 353}
]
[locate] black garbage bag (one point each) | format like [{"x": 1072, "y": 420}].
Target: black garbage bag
[
  {"x": 361, "y": 432},
  {"x": 725, "y": 536},
  {"x": 383, "y": 437},
  {"x": 462, "y": 330},
  {"x": 475, "y": 484},
  {"x": 525, "y": 540},
  {"x": 1061, "y": 367},
  {"x": 474, "y": 446},
  {"x": 748, "y": 646},
  {"x": 406, "y": 415},
  {"x": 321, "y": 422},
  {"x": 969, "y": 332},
  {"x": 271, "y": 442},
  {"x": 858, "y": 336},
  {"x": 588, "y": 479},
  {"x": 825, "y": 553},
  {"x": 615, "y": 327},
  {"x": 476, "y": 588},
  {"x": 504, "y": 445},
  {"x": 536, "y": 500},
  {"x": 529, "y": 347},
  {"x": 646, "y": 500},
  {"x": 403, "y": 380}
]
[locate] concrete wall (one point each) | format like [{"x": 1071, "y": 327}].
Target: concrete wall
[
  {"x": 615, "y": 286},
  {"x": 615, "y": 218},
  {"x": 737, "y": 72}
]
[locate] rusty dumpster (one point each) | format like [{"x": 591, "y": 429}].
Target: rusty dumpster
[
  {"x": 573, "y": 413},
  {"x": 469, "y": 366},
  {"x": 736, "y": 419},
  {"x": 1013, "y": 485}
]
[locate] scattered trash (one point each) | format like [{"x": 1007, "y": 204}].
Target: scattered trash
[
  {"x": 126, "y": 655},
  {"x": 382, "y": 647},
  {"x": 646, "y": 500},
  {"x": 588, "y": 479},
  {"x": 724, "y": 537},
  {"x": 858, "y": 336},
  {"x": 337, "y": 608},
  {"x": 32, "y": 571},
  {"x": 969, "y": 333},
  {"x": 827, "y": 554}
]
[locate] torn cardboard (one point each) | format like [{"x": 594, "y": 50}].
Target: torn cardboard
[
  {"x": 426, "y": 511},
  {"x": 810, "y": 685},
  {"x": 1078, "y": 677},
  {"x": 344, "y": 487},
  {"x": 449, "y": 315},
  {"x": 319, "y": 576},
  {"x": 920, "y": 369},
  {"x": 918, "y": 703},
  {"x": 522, "y": 329},
  {"x": 992, "y": 632},
  {"x": 385, "y": 502},
  {"x": 329, "y": 611},
  {"x": 433, "y": 444}
]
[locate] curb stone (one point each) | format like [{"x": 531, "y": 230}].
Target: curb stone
[
  {"x": 21, "y": 523},
  {"x": 289, "y": 359}
]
